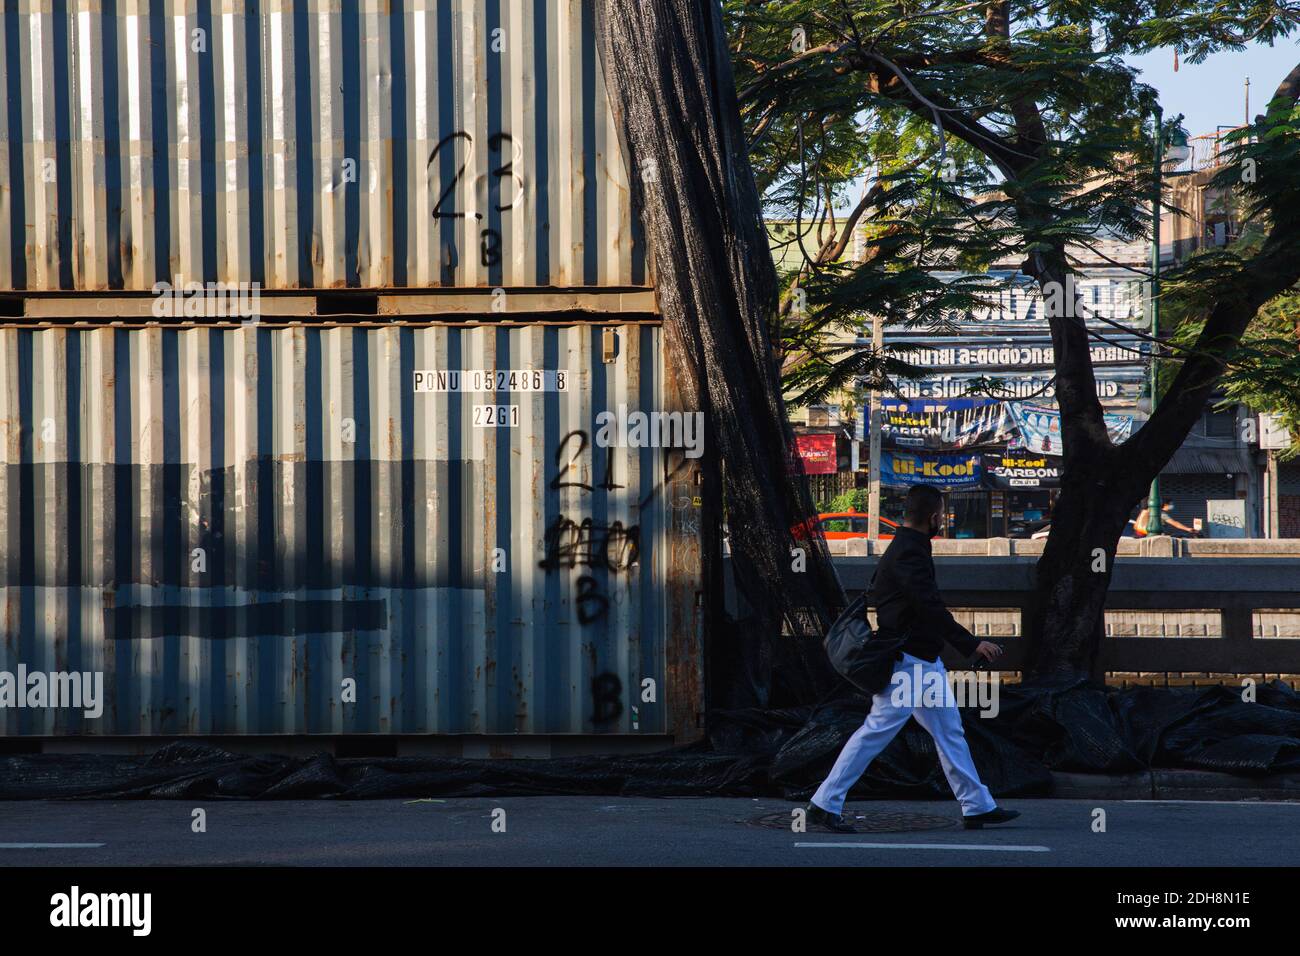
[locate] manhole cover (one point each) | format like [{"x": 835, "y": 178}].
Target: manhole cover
[{"x": 865, "y": 821}]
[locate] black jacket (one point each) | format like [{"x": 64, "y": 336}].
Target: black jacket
[{"x": 907, "y": 599}]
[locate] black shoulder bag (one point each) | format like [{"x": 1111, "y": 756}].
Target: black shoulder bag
[{"x": 858, "y": 654}]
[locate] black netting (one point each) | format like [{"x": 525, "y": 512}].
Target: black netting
[
  {"x": 749, "y": 752},
  {"x": 669, "y": 75}
]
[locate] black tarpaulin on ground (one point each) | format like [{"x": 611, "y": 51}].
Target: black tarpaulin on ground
[
  {"x": 197, "y": 771},
  {"x": 785, "y": 752}
]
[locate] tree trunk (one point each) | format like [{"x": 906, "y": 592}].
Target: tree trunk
[
  {"x": 1065, "y": 621},
  {"x": 1102, "y": 482},
  {"x": 668, "y": 71}
]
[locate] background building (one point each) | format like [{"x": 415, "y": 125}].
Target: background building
[{"x": 1216, "y": 481}]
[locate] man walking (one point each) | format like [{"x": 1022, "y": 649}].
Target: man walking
[{"x": 908, "y": 604}]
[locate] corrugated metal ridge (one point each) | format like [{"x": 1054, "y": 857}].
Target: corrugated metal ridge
[
  {"x": 1209, "y": 461},
  {"x": 347, "y": 527},
  {"x": 322, "y": 144}
]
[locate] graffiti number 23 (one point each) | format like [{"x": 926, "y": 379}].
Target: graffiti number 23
[{"x": 509, "y": 152}]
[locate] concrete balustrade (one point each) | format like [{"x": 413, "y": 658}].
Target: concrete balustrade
[
  {"x": 1155, "y": 546},
  {"x": 1173, "y": 606}
]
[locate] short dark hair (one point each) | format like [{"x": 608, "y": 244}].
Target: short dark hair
[{"x": 921, "y": 502}]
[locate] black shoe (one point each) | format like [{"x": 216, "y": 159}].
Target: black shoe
[
  {"x": 996, "y": 815},
  {"x": 827, "y": 820}
]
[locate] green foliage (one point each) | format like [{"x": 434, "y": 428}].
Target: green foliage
[
  {"x": 1045, "y": 147},
  {"x": 1265, "y": 374},
  {"x": 853, "y": 500}
]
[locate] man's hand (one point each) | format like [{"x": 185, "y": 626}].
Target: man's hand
[{"x": 988, "y": 650}]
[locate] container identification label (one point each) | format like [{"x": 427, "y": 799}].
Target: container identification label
[
  {"x": 496, "y": 416},
  {"x": 493, "y": 380}
]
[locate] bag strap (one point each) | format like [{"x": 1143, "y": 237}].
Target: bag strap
[{"x": 865, "y": 596}]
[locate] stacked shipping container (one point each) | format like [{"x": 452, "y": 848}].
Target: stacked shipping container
[{"x": 237, "y": 521}]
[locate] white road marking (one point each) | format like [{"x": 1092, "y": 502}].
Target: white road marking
[
  {"x": 1230, "y": 803},
  {"x": 1002, "y": 847},
  {"x": 49, "y": 846}
]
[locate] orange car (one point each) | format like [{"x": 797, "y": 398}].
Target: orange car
[{"x": 841, "y": 525}]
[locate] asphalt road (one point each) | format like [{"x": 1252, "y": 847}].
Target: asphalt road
[{"x": 582, "y": 831}]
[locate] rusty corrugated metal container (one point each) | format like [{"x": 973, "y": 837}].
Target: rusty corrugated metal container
[
  {"x": 232, "y": 521},
  {"x": 323, "y": 144},
  {"x": 229, "y": 523}
]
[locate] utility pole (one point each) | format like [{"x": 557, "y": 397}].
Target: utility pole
[
  {"x": 1153, "y": 498},
  {"x": 1271, "y": 510},
  {"x": 873, "y": 438}
]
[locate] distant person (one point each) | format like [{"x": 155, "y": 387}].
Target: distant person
[
  {"x": 907, "y": 603},
  {"x": 1141, "y": 524}
]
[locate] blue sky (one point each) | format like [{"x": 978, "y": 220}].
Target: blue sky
[{"x": 1213, "y": 92}]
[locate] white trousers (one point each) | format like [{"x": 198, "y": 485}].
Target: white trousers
[{"x": 936, "y": 712}]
